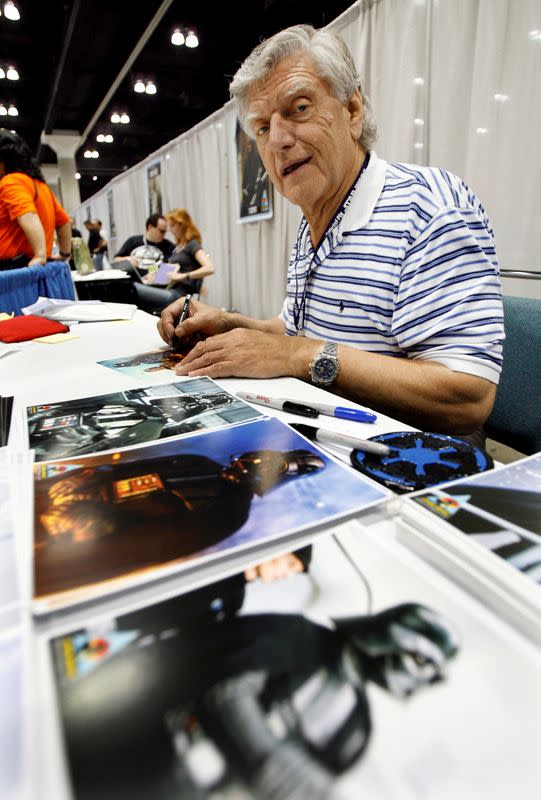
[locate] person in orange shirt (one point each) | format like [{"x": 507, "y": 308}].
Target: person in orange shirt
[{"x": 29, "y": 211}]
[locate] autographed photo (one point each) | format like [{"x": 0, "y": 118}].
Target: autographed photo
[
  {"x": 221, "y": 692},
  {"x": 132, "y": 417},
  {"x": 130, "y": 512}
]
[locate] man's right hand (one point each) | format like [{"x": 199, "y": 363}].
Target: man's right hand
[{"x": 203, "y": 320}]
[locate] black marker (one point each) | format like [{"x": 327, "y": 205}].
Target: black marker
[{"x": 185, "y": 309}]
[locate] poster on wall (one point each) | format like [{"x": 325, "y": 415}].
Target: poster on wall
[
  {"x": 154, "y": 181},
  {"x": 254, "y": 189},
  {"x": 111, "y": 210}
]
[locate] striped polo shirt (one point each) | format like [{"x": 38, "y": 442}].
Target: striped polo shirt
[{"x": 407, "y": 268}]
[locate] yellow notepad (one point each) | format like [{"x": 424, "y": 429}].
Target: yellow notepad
[{"x": 56, "y": 338}]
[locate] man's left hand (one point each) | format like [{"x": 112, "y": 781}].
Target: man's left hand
[{"x": 242, "y": 353}]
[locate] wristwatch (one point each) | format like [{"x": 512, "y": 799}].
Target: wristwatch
[{"x": 324, "y": 367}]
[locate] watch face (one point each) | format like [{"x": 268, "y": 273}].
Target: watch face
[{"x": 325, "y": 370}]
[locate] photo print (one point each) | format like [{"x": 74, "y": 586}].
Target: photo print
[
  {"x": 131, "y": 417},
  {"x": 254, "y": 189},
  {"x": 154, "y": 183},
  {"x": 144, "y": 512},
  {"x": 246, "y": 688}
]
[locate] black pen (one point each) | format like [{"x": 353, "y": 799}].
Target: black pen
[
  {"x": 185, "y": 309},
  {"x": 331, "y": 437}
]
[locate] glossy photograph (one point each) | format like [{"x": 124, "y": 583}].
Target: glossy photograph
[
  {"x": 245, "y": 688},
  {"x": 132, "y": 417},
  {"x": 141, "y": 513},
  {"x": 499, "y": 510}
]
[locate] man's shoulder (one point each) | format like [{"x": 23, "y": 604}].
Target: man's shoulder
[
  {"x": 433, "y": 186},
  {"x": 166, "y": 247}
]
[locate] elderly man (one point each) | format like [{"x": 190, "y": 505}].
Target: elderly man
[{"x": 393, "y": 295}]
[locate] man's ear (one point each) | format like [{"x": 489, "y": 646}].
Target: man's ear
[{"x": 355, "y": 109}]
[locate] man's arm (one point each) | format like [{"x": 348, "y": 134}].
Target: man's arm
[
  {"x": 425, "y": 394},
  {"x": 33, "y": 230}
]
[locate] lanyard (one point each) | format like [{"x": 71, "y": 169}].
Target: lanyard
[{"x": 299, "y": 302}]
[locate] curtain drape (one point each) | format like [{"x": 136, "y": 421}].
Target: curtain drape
[{"x": 453, "y": 83}]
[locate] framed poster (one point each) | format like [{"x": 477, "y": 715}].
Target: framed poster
[
  {"x": 254, "y": 189},
  {"x": 111, "y": 210},
  {"x": 154, "y": 181}
]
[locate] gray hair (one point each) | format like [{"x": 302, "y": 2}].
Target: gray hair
[{"x": 332, "y": 59}]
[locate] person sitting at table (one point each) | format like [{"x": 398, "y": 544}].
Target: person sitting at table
[
  {"x": 29, "y": 211},
  {"x": 141, "y": 250},
  {"x": 190, "y": 264},
  {"x": 393, "y": 295}
]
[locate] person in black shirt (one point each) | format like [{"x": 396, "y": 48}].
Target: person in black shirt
[{"x": 138, "y": 252}]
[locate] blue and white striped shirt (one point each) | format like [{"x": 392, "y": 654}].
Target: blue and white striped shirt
[{"x": 407, "y": 268}]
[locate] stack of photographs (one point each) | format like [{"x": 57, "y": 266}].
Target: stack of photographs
[{"x": 144, "y": 483}]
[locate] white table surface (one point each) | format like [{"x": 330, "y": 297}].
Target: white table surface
[{"x": 473, "y": 736}]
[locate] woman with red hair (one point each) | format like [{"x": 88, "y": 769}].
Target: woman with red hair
[{"x": 190, "y": 263}]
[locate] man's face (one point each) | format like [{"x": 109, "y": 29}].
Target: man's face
[
  {"x": 156, "y": 234},
  {"x": 307, "y": 138}
]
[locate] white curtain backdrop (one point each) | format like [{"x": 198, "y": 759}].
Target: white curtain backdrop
[{"x": 453, "y": 83}]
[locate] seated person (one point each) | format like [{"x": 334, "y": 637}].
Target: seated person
[
  {"x": 140, "y": 251},
  {"x": 393, "y": 293},
  {"x": 189, "y": 265}
]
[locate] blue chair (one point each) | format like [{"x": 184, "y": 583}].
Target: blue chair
[
  {"x": 22, "y": 287},
  {"x": 515, "y": 419}
]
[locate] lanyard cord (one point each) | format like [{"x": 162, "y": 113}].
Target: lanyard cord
[{"x": 299, "y": 305}]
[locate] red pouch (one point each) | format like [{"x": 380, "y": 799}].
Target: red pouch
[{"x": 21, "y": 329}]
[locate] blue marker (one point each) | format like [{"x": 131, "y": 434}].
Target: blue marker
[{"x": 309, "y": 409}]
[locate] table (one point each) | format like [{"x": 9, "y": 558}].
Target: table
[
  {"x": 111, "y": 285},
  {"x": 473, "y": 736}
]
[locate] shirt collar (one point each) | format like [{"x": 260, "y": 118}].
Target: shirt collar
[{"x": 364, "y": 196}]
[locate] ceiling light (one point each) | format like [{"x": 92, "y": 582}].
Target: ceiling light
[
  {"x": 191, "y": 40},
  {"x": 94, "y": 154},
  {"x": 3, "y": 111},
  {"x": 501, "y": 98},
  {"x": 87, "y": 154},
  {"x": 139, "y": 87},
  {"x": 100, "y": 137},
  {"x": 11, "y": 11},
  {"x": 481, "y": 130},
  {"x": 419, "y": 81},
  {"x": 124, "y": 118},
  {"x": 535, "y": 35},
  {"x": 77, "y": 176},
  {"x": 108, "y": 138},
  {"x": 177, "y": 37},
  {"x": 2, "y": 73},
  {"x": 13, "y": 111},
  {"x": 115, "y": 117},
  {"x": 94, "y": 177},
  {"x": 12, "y": 74},
  {"x": 418, "y": 145},
  {"x": 151, "y": 88},
  {"x": 418, "y": 121}
]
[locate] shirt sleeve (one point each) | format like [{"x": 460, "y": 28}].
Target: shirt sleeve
[
  {"x": 126, "y": 248},
  {"x": 16, "y": 196},
  {"x": 449, "y": 307}
]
